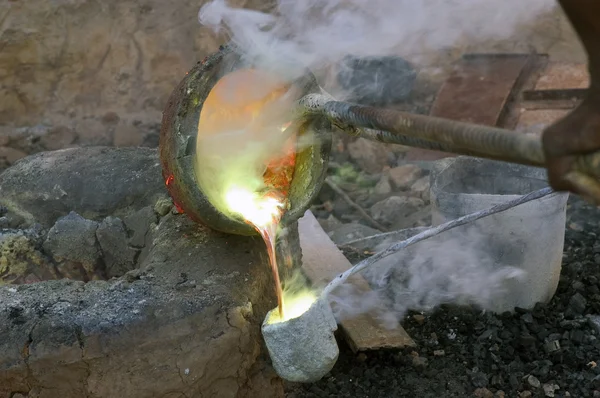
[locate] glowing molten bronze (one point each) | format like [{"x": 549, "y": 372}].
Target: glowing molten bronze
[
  {"x": 246, "y": 114},
  {"x": 252, "y": 101}
]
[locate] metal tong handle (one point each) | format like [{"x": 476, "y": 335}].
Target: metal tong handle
[{"x": 390, "y": 126}]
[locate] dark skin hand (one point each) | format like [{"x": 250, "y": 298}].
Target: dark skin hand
[{"x": 579, "y": 132}]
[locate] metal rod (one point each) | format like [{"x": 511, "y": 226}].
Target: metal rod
[
  {"x": 430, "y": 132},
  {"x": 396, "y": 247}
]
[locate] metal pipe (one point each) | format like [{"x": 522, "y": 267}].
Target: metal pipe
[
  {"x": 390, "y": 126},
  {"x": 390, "y": 138}
]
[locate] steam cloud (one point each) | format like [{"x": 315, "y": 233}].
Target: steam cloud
[{"x": 454, "y": 267}]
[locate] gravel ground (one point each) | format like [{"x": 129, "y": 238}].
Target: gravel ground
[{"x": 550, "y": 351}]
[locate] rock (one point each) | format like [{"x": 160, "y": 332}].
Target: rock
[
  {"x": 483, "y": 393},
  {"x": 330, "y": 223},
  {"x": 110, "y": 118},
  {"x": 85, "y": 83},
  {"x": 21, "y": 261},
  {"x": 59, "y": 137},
  {"x": 532, "y": 381},
  {"x": 552, "y": 346},
  {"x": 376, "y": 81},
  {"x": 525, "y": 394},
  {"x": 72, "y": 244},
  {"x": 163, "y": 206},
  {"x": 139, "y": 224},
  {"x": 118, "y": 257},
  {"x": 370, "y": 156},
  {"x": 594, "y": 321},
  {"x": 420, "y": 188},
  {"x": 12, "y": 220},
  {"x": 11, "y": 155},
  {"x": 95, "y": 182},
  {"x": 479, "y": 379},
  {"x": 140, "y": 336},
  {"x": 402, "y": 177},
  {"x": 348, "y": 232},
  {"x": 577, "y": 303},
  {"x": 383, "y": 186},
  {"x": 419, "y": 362},
  {"x": 549, "y": 389},
  {"x": 527, "y": 317},
  {"x": 395, "y": 209}
]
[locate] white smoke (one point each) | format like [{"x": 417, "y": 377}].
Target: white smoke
[
  {"x": 321, "y": 33},
  {"x": 318, "y": 33},
  {"x": 455, "y": 267}
]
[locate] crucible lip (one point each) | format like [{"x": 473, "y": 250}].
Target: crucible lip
[{"x": 178, "y": 136}]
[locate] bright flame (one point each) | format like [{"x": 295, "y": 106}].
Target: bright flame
[
  {"x": 295, "y": 305},
  {"x": 259, "y": 210}
]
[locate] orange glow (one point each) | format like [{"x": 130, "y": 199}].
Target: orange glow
[
  {"x": 168, "y": 181},
  {"x": 247, "y": 99}
]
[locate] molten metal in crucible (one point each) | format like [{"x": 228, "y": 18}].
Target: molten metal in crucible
[{"x": 246, "y": 153}]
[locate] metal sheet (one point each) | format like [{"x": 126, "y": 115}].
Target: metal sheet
[{"x": 478, "y": 92}]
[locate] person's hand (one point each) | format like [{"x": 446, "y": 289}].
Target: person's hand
[
  {"x": 576, "y": 134},
  {"x": 579, "y": 132}
]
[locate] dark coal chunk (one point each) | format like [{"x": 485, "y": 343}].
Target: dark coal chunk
[
  {"x": 527, "y": 318},
  {"x": 377, "y": 81},
  {"x": 479, "y": 379},
  {"x": 577, "y": 303}
]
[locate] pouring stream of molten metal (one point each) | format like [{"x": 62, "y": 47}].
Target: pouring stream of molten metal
[{"x": 251, "y": 100}]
